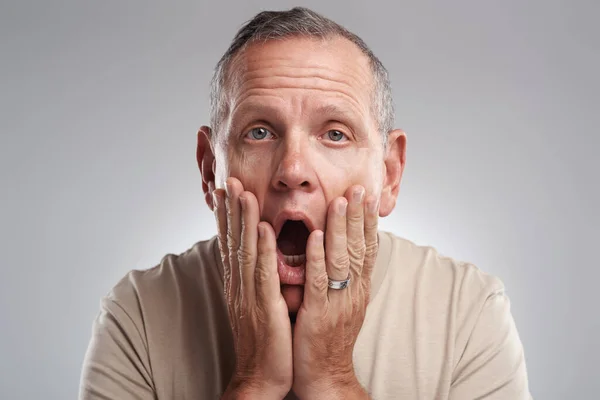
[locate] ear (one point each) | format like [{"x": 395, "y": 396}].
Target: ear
[
  {"x": 394, "y": 162},
  {"x": 206, "y": 163}
]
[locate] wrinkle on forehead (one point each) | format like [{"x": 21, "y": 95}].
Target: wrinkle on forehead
[
  {"x": 354, "y": 105},
  {"x": 335, "y": 66}
]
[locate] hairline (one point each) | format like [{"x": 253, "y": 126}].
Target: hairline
[
  {"x": 224, "y": 79},
  {"x": 234, "y": 67}
]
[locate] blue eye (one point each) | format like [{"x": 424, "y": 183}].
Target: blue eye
[
  {"x": 258, "y": 133},
  {"x": 335, "y": 136}
]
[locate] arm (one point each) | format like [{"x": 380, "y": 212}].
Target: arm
[
  {"x": 492, "y": 365},
  {"x": 116, "y": 364}
]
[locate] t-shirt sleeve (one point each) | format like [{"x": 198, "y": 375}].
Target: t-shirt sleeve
[
  {"x": 116, "y": 364},
  {"x": 492, "y": 366}
]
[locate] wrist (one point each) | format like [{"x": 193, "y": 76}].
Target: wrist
[
  {"x": 237, "y": 390},
  {"x": 343, "y": 389}
]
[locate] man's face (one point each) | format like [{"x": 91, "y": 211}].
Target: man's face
[{"x": 299, "y": 133}]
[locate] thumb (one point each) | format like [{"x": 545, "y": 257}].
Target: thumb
[
  {"x": 315, "y": 287},
  {"x": 265, "y": 275}
]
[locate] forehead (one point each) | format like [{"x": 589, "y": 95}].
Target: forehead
[{"x": 331, "y": 67}]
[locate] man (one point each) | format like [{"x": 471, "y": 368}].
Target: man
[{"x": 299, "y": 295}]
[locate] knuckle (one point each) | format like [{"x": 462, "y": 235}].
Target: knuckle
[
  {"x": 354, "y": 270},
  {"x": 320, "y": 282},
  {"x": 341, "y": 261},
  {"x": 357, "y": 252},
  {"x": 222, "y": 244},
  {"x": 262, "y": 275},
  {"x": 232, "y": 241},
  {"x": 260, "y": 312},
  {"x": 245, "y": 255},
  {"x": 371, "y": 248},
  {"x": 371, "y": 225},
  {"x": 227, "y": 276},
  {"x": 225, "y": 258},
  {"x": 316, "y": 258},
  {"x": 356, "y": 239},
  {"x": 355, "y": 218},
  {"x": 339, "y": 270}
]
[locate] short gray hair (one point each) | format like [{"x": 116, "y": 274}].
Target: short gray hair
[{"x": 299, "y": 21}]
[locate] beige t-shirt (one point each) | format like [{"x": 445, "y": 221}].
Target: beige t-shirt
[{"x": 435, "y": 328}]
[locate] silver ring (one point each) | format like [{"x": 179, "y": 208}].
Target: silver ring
[{"x": 338, "y": 285}]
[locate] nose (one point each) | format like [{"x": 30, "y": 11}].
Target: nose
[{"x": 294, "y": 172}]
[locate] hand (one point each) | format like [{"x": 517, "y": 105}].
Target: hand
[
  {"x": 329, "y": 320},
  {"x": 257, "y": 311}
]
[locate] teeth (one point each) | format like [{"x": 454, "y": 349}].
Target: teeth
[{"x": 295, "y": 260}]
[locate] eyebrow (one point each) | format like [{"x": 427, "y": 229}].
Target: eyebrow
[
  {"x": 256, "y": 108},
  {"x": 330, "y": 111},
  {"x": 335, "y": 112}
]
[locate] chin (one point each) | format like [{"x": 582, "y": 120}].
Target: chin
[{"x": 293, "y": 295}]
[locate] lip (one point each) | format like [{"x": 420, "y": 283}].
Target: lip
[
  {"x": 289, "y": 275},
  {"x": 293, "y": 215}
]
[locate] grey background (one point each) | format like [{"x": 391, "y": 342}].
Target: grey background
[{"x": 100, "y": 103}]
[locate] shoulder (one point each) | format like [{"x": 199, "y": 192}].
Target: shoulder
[
  {"x": 170, "y": 283},
  {"x": 439, "y": 276},
  {"x": 144, "y": 319},
  {"x": 447, "y": 295},
  {"x": 457, "y": 303}
]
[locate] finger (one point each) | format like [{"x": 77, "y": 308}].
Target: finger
[
  {"x": 231, "y": 277},
  {"x": 355, "y": 231},
  {"x": 232, "y": 203},
  {"x": 247, "y": 252},
  {"x": 315, "y": 286},
  {"x": 266, "y": 276},
  {"x": 371, "y": 237},
  {"x": 336, "y": 250},
  {"x": 221, "y": 220}
]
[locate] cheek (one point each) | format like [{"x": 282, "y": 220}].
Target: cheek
[
  {"x": 338, "y": 171},
  {"x": 251, "y": 170}
]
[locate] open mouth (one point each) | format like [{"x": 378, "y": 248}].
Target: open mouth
[
  {"x": 292, "y": 242},
  {"x": 291, "y": 245}
]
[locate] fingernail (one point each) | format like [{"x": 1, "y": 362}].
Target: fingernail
[
  {"x": 228, "y": 188},
  {"x": 358, "y": 194},
  {"x": 319, "y": 236},
  {"x": 342, "y": 207},
  {"x": 261, "y": 231},
  {"x": 243, "y": 203}
]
